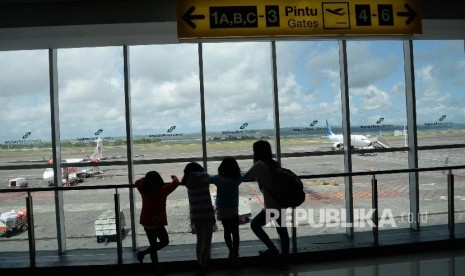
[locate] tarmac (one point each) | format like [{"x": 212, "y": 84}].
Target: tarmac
[{"x": 325, "y": 199}]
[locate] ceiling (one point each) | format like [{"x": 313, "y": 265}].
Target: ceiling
[{"x": 47, "y": 24}]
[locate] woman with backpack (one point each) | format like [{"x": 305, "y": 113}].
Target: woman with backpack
[{"x": 262, "y": 172}]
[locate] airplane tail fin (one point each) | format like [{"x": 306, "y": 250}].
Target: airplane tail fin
[
  {"x": 98, "y": 151},
  {"x": 330, "y": 132}
]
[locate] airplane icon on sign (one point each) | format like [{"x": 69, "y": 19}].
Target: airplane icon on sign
[{"x": 338, "y": 11}]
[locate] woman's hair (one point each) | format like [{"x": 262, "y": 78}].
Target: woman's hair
[
  {"x": 152, "y": 182},
  {"x": 229, "y": 168},
  {"x": 190, "y": 168},
  {"x": 262, "y": 152}
]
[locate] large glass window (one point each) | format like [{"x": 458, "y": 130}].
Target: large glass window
[
  {"x": 238, "y": 111},
  {"x": 377, "y": 94},
  {"x": 165, "y": 101},
  {"x": 309, "y": 96},
  {"x": 92, "y": 131},
  {"x": 439, "y": 86},
  {"x": 24, "y": 140},
  {"x": 166, "y": 123},
  {"x": 25, "y": 113},
  {"x": 238, "y": 96},
  {"x": 377, "y": 113},
  {"x": 92, "y": 113}
]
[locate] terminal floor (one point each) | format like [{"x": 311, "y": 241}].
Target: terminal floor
[
  {"x": 399, "y": 252},
  {"x": 443, "y": 263}
]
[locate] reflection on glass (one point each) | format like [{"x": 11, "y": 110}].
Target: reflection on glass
[
  {"x": 166, "y": 101},
  {"x": 238, "y": 96},
  {"x": 309, "y": 94},
  {"x": 393, "y": 202},
  {"x": 239, "y": 111},
  {"x": 439, "y": 86},
  {"x": 92, "y": 113},
  {"x": 44, "y": 220},
  {"x": 165, "y": 97},
  {"x": 25, "y": 113},
  {"x": 323, "y": 211},
  {"x": 377, "y": 93},
  {"x": 433, "y": 198},
  {"x": 24, "y": 142},
  {"x": 93, "y": 222},
  {"x": 434, "y": 185}
]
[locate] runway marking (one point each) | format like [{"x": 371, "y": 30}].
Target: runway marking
[{"x": 428, "y": 184}]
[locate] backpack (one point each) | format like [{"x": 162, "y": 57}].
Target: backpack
[{"x": 288, "y": 189}]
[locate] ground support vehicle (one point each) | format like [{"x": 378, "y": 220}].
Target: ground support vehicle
[
  {"x": 18, "y": 182},
  {"x": 13, "y": 221},
  {"x": 105, "y": 226}
]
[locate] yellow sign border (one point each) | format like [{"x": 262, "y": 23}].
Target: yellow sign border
[{"x": 300, "y": 19}]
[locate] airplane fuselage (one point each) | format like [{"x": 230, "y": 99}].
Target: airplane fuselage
[
  {"x": 359, "y": 141},
  {"x": 356, "y": 140}
]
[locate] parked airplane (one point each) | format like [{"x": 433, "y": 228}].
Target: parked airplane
[
  {"x": 357, "y": 141},
  {"x": 71, "y": 175}
]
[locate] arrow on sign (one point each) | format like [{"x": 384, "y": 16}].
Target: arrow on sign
[
  {"x": 188, "y": 17},
  {"x": 410, "y": 13}
]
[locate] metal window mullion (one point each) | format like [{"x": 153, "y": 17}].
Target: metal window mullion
[
  {"x": 30, "y": 230},
  {"x": 277, "y": 127},
  {"x": 56, "y": 149},
  {"x": 349, "y": 204},
  {"x": 374, "y": 207},
  {"x": 129, "y": 143},
  {"x": 450, "y": 205},
  {"x": 119, "y": 243},
  {"x": 411, "y": 134},
  {"x": 202, "y": 108}
]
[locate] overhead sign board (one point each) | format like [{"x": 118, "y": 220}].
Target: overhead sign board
[{"x": 203, "y": 19}]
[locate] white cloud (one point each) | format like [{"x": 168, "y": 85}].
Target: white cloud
[
  {"x": 368, "y": 65},
  {"x": 432, "y": 92},
  {"x": 398, "y": 89},
  {"x": 372, "y": 98}
]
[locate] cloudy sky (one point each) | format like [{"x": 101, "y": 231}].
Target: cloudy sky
[{"x": 237, "y": 83}]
